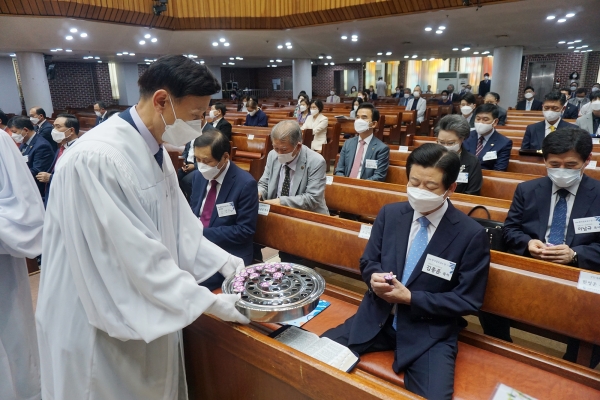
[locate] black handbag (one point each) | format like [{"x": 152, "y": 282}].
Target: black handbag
[{"x": 493, "y": 229}]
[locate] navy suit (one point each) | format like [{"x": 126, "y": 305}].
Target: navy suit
[
  {"x": 535, "y": 106},
  {"x": 498, "y": 143},
  {"x": 45, "y": 130},
  {"x": 426, "y": 339},
  {"x": 377, "y": 150},
  {"x": 233, "y": 233},
  {"x": 185, "y": 179},
  {"x": 258, "y": 119},
  {"x": 485, "y": 87},
  {"x": 101, "y": 119},
  {"x": 40, "y": 156},
  {"x": 535, "y": 134},
  {"x": 224, "y": 127},
  {"x": 571, "y": 112}
]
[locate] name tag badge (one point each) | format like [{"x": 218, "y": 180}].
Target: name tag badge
[
  {"x": 463, "y": 177},
  {"x": 371, "y": 164},
  {"x": 439, "y": 267},
  {"x": 365, "y": 231},
  {"x": 490, "y": 155},
  {"x": 589, "y": 282},
  {"x": 595, "y": 140},
  {"x": 226, "y": 209},
  {"x": 263, "y": 208},
  {"x": 329, "y": 180},
  {"x": 403, "y": 149},
  {"x": 26, "y": 158},
  {"x": 586, "y": 225}
]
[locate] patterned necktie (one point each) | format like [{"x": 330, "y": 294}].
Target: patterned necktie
[
  {"x": 479, "y": 146},
  {"x": 285, "y": 188},
  {"x": 552, "y": 128},
  {"x": 159, "y": 157},
  {"x": 358, "y": 159},
  {"x": 417, "y": 248},
  {"x": 559, "y": 219},
  {"x": 209, "y": 204}
]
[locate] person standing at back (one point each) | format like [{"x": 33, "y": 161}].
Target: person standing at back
[
  {"x": 42, "y": 127},
  {"x": 485, "y": 85},
  {"x": 381, "y": 87},
  {"x": 100, "y": 109}
]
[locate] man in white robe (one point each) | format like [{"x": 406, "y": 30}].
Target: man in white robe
[
  {"x": 21, "y": 223},
  {"x": 123, "y": 252}
]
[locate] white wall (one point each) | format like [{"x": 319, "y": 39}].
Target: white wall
[
  {"x": 10, "y": 101},
  {"x": 216, "y": 70},
  {"x": 127, "y": 78}
]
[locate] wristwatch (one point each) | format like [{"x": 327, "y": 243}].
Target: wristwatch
[{"x": 574, "y": 260}]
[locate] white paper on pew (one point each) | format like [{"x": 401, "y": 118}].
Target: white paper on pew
[
  {"x": 591, "y": 165},
  {"x": 365, "y": 231},
  {"x": 329, "y": 180},
  {"x": 250, "y": 137},
  {"x": 595, "y": 140},
  {"x": 263, "y": 208},
  {"x": 589, "y": 282},
  {"x": 504, "y": 392},
  {"x": 403, "y": 149}
]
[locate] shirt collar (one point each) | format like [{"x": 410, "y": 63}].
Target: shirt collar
[
  {"x": 367, "y": 140},
  {"x": 435, "y": 217},
  {"x": 572, "y": 189},
  {"x": 216, "y": 121},
  {"x": 31, "y": 138},
  {"x": 555, "y": 124},
  {"x": 69, "y": 143},
  {"x": 144, "y": 131},
  {"x": 221, "y": 177}
]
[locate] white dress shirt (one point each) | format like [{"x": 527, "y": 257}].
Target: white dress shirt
[
  {"x": 528, "y": 104},
  {"x": 216, "y": 121},
  {"x": 555, "y": 125},
  {"x": 434, "y": 221},
  {"x": 191, "y": 156},
  {"x": 570, "y": 201},
  {"x": 292, "y": 166},
  {"x": 366, "y": 146},
  {"x": 219, "y": 184}
]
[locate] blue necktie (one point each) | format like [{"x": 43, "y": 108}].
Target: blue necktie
[
  {"x": 417, "y": 248},
  {"x": 559, "y": 219},
  {"x": 159, "y": 157}
]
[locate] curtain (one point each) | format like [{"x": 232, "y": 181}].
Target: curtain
[
  {"x": 114, "y": 84},
  {"x": 424, "y": 73},
  {"x": 370, "y": 75}
]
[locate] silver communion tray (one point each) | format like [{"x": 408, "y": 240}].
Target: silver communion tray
[{"x": 267, "y": 297}]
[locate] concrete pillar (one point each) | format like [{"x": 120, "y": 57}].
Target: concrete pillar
[
  {"x": 10, "y": 99},
  {"x": 127, "y": 78},
  {"x": 301, "y": 77},
  {"x": 34, "y": 81},
  {"x": 216, "y": 70},
  {"x": 506, "y": 74}
]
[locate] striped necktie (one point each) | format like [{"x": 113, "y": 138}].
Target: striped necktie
[{"x": 479, "y": 146}]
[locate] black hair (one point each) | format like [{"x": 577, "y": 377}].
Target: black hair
[
  {"x": 573, "y": 83},
  {"x": 565, "y": 139},
  {"x": 527, "y": 88},
  {"x": 180, "y": 76},
  {"x": 565, "y": 90},
  {"x": 433, "y": 155},
  {"x": 20, "y": 122},
  {"x": 593, "y": 96},
  {"x": 252, "y": 103},
  {"x": 221, "y": 107},
  {"x": 581, "y": 90},
  {"x": 374, "y": 111},
  {"x": 218, "y": 142},
  {"x": 3, "y": 118},
  {"x": 555, "y": 95},
  {"x": 469, "y": 98},
  {"x": 445, "y": 91},
  {"x": 319, "y": 105},
  {"x": 486, "y": 74},
  {"x": 101, "y": 105},
  {"x": 496, "y": 95},
  {"x": 40, "y": 111},
  {"x": 488, "y": 109},
  {"x": 360, "y": 101},
  {"x": 71, "y": 121}
]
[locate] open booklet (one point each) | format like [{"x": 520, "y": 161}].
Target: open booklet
[{"x": 323, "y": 349}]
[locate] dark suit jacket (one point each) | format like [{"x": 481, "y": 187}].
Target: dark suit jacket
[
  {"x": 498, "y": 143},
  {"x": 224, "y": 127},
  {"x": 444, "y": 103},
  {"x": 484, "y": 88},
  {"x": 437, "y": 304},
  {"x": 234, "y": 233},
  {"x": 535, "y": 134},
  {"x": 571, "y": 112},
  {"x": 100, "y": 120},
  {"x": 40, "y": 156},
  {"x": 470, "y": 164},
  {"x": 186, "y": 150},
  {"x": 258, "y": 119},
  {"x": 535, "y": 106},
  {"x": 377, "y": 150},
  {"x": 46, "y": 132},
  {"x": 528, "y": 216}
]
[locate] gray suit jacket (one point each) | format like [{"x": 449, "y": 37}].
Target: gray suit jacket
[
  {"x": 586, "y": 122},
  {"x": 308, "y": 184},
  {"x": 377, "y": 150}
]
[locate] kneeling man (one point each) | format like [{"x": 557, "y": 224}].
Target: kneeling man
[{"x": 441, "y": 259}]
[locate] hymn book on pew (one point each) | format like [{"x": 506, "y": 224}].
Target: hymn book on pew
[{"x": 323, "y": 349}]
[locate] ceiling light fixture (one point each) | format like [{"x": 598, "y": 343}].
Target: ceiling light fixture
[
  {"x": 226, "y": 44},
  {"x": 354, "y": 36},
  {"x": 268, "y": 66},
  {"x": 570, "y": 15},
  {"x": 119, "y": 54},
  {"x": 328, "y": 57},
  {"x": 441, "y": 28},
  {"x": 424, "y": 59},
  {"x": 222, "y": 40},
  {"x": 231, "y": 63},
  {"x": 278, "y": 60},
  {"x": 406, "y": 57},
  {"x": 231, "y": 58},
  {"x": 475, "y": 52},
  {"x": 69, "y": 37},
  {"x": 288, "y": 44},
  {"x": 344, "y": 37},
  {"x": 389, "y": 53},
  {"x": 379, "y": 54},
  {"x": 455, "y": 49},
  {"x": 466, "y": 49},
  {"x": 99, "y": 62},
  {"x": 570, "y": 42},
  {"x": 53, "y": 50},
  {"x": 142, "y": 42},
  {"x": 575, "y": 51},
  {"x": 415, "y": 56},
  {"x": 549, "y": 17},
  {"x": 83, "y": 35},
  {"x": 432, "y": 59},
  {"x": 577, "y": 41},
  {"x": 12, "y": 55},
  {"x": 571, "y": 47},
  {"x": 427, "y": 29},
  {"x": 272, "y": 61},
  {"x": 147, "y": 63},
  {"x": 439, "y": 32},
  {"x": 562, "y": 42},
  {"x": 280, "y": 47},
  {"x": 69, "y": 50},
  {"x": 351, "y": 59},
  {"x": 96, "y": 58},
  {"x": 201, "y": 61},
  {"x": 274, "y": 65},
  {"x": 562, "y": 20},
  {"x": 147, "y": 36},
  {"x": 331, "y": 63},
  {"x": 355, "y": 39},
  {"x": 289, "y": 47},
  {"x": 125, "y": 53},
  {"x": 320, "y": 57},
  {"x": 378, "y": 61},
  {"x": 358, "y": 59},
  {"x": 132, "y": 54},
  {"x": 154, "y": 40},
  {"x": 584, "y": 46},
  {"x": 224, "y": 63},
  {"x": 215, "y": 44},
  {"x": 73, "y": 30}
]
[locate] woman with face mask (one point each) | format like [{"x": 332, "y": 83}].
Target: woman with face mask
[
  {"x": 355, "y": 105},
  {"x": 444, "y": 99},
  {"x": 303, "y": 111},
  {"x": 302, "y": 95},
  {"x": 318, "y": 123},
  {"x": 467, "y": 108},
  {"x": 353, "y": 92},
  {"x": 451, "y": 132}
]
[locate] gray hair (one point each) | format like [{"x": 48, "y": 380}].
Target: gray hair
[
  {"x": 287, "y": 130},
  {"x": 454, "y": 123},
  {"x": 451, "y": 85}
]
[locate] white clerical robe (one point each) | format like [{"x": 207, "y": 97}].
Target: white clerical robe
[
  {"x": 123, "y": 255},
  {"x": 21, "y": 223}
]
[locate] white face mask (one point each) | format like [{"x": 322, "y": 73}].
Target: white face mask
[
  {"x": 332, "y": 92},
  {"x": 244, "y": 103},
  {"x": 98, "y": 113},
  {"x": 483, "y": 129},
  {"x": 17, "y": 137},
  {"x": 529, "y": 96},
  {"x": 360, "y": 97},
  {"x": 287, "y": 157},
  {"x": 550, "y": 115},
  {"x": 563, "y": 177},
  {"x": 573, "y": 88},
  {"x": 209, "y": 172},
  {"x": 467, "y": 90},
  {"x": 595, "y": 105},
  {"x": 406, "y": 95},
  {"x": 444, "y": 98},
  {"x": 302, "y": 108},
  {"x": 486, "y": 78},
  {"x": 181, "y": 132},
  {"x": 58, "y": 136},
  {"x": 417, "y": 94},
  {"x": 355, "y": 107},
  {"x": 353, "y": 90},
  {"x": 251, "y": 113},
  {"x": 455, "y": 147},
  {"x": 212, "y": 113},
  {"x": 360, "y": 125},
  {"x": 466, "y": 110},
  {"x": 314, "y": 111},
  {"x": 34, "y": 120},
  {"x": 423, "y": 200},
  {"x": 595, "y": 89}
]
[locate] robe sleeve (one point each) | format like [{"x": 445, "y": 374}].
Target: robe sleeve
[
  {"x": 21, "y": 207},
  {"x": 128, "y": 282}
]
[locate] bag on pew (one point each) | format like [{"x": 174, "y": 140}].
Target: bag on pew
[
  {"x": 493, "y": 229},
  {"x": 323, "y": 349}
]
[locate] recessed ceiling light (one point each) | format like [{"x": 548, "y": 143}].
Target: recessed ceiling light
[
  {"x": 83, "y": 34},
  {"x": 584, "y": 46},
  {"x": 231, "y": 63},
  {"x": 69, "y": 37},
  {"x": 372, "y": 61},
  {"x": 355, "y": 39},
  {"x": 575, "y": 51},
  {"x": 562, "y": 20},
  {"x": 125, "y": 52},
  {"x": 489, "y": 55},
  {"x": 201, "y": 61},
  {"x": 73, "y": 30},
  {"x": 351, "y": 59},
  {"x": 424, "y": 59},
  {"x": 12, "y": 55},
  {"x": 331, "y": 63},
  {"x": 226, "y": 44},
  {"x": 344, "y": 37},
  {"x": 147, "y": 63},
  {"x": 59, "y": 49},
  {"x": 415, "y": 56},
  {"x": 274, "y": 65},
  {"x": 475, "y": 52},
  {"x": 289, "y": 47},
  {"x": 428, "y": 29},
  {"x": 53, "y": 50},
  {"x": 268, "y": 66},
  {"x": 438, "y": 32},
  {"x": 215, "y": 44},
  {"x": 354, "y": 36},
  {"x": 378, "y": 61},
  {"x": 222, "y": 40},
  {"x": 288, "y": 44},
  {"x": 406, "y": 56},
  {"x": 311, "y": 63},
  {"x": 571, "y": 47},
  {"x": 231, "y": 58},
  {"x": 578, "y": 47},
  {"x": 278, "y": 60},
  {"x": 389, "y": 53},
  {"x": 132, "y": 54},
  {"x": 99, "y": 62},
  {"x": 142, "y": 42},
  {"x": 455, "y": 49},
  {"x": 550, "y": 17},
  {"x": 320, "y": 57},
  {"x": 239, "y": 58},
  {"x": 358, "y": 59},
  {"x": 96, "y": 58},
  {"x": 280, "y": 47},
  {"x": 577, "y": 41},
  {"x": 432, "y": 59},
  {"x": 569, "y": 15},
  {"x": 562, "y": 42},
  {"x": 379, "y": 54},
  {"x": 69, "y": 50},
  {"x": 466, "y": 48},
  {"x": 154, "y": 40},
  {"x": 486, "y": 52},
  {"x": 441, "y": 28},
  {"x": 147, "y": 36},
  {"x": 272, "y": 61},
  {"x": 328, "y": 57},
  {"x": 570, "y": 42}
]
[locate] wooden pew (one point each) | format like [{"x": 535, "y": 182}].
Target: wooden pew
[{"x": 251, "y": 154}]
